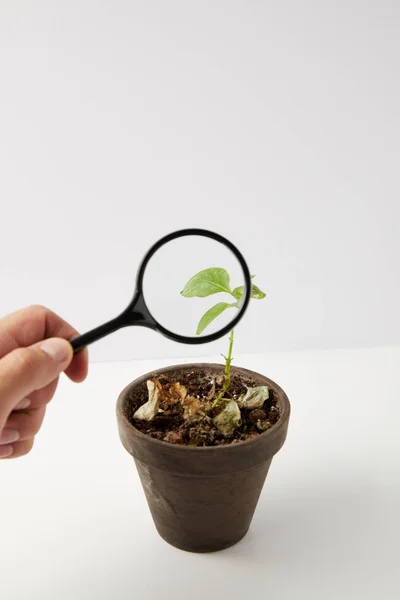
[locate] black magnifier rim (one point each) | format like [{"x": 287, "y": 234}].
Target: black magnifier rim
[{"x": 247, "y": 279}]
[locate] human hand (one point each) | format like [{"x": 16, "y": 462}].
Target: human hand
[{"x": 33, "y": 352}]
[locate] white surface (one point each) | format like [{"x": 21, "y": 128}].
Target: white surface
[
  {"x": 275, "y": 123},
  {"x": 74, "y": 523}
]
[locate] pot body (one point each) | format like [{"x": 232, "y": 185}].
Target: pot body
[{"x": 203, "y": 499}]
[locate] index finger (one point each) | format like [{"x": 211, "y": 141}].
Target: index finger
[{"x": 35, "y": 323}]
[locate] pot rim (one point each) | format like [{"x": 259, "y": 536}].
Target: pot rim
[{"x": 284, "y": 405}]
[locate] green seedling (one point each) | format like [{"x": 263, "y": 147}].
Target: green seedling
[{"x": 217, "y": 281}]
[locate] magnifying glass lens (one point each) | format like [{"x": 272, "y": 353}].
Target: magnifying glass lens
[{"x": 194, "y": 286}]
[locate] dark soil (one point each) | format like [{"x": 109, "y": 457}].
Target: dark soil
[{"x": 170, "y": 426}]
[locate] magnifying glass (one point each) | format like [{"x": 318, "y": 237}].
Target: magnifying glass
[{"x": 169, "y": 266}]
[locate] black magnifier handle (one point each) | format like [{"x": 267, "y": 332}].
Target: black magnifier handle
[
  {"x": 80, "y": 342},
  {"x": 135, "y": 314}
]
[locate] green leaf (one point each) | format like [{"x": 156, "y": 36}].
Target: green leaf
[
  {"x": 256, "y": 293},
  {"x": 238, "y": 292},
  {"x": 207, "y": 282},
  {"x": 210, "y": 315}
]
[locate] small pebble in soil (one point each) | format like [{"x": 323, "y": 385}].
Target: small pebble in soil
[{"x": 263, "y": 425}]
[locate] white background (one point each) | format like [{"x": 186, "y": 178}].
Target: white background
[
  {"x": 74, "y": 523},
  {"x": 275, "y": 123}
]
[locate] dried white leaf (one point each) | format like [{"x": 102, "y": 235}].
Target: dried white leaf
[
  {"x": 228, "y": 419},
  {"x": 148, "y": 411},
  {"x": 177, "y": 390},
  {"x": 254, "y": 397},
  {"x": 193, "y": 409}
]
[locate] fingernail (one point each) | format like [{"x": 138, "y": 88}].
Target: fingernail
[
  {"x": 9, "y": 436},
  {"x": 6, "y": 451},
  {"x": 56, "y": 348},
  {"x": 23, "y": 404}
]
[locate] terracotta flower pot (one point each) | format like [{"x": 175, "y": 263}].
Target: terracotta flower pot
[{"x": 203, "y": 499}]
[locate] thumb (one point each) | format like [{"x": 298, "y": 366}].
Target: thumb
[{"x": 25, "y": 370}]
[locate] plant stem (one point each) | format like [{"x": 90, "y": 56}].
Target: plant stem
[
  {"x": 228, "y": 359},
  {"x": 227, "y": 377}
]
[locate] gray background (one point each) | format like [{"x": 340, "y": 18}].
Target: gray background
[{"x": 275, "y": 123}]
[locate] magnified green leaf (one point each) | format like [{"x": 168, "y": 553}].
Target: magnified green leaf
[
  {"x": 256, "y": 293},
  {"x": 210, "y": 315},
  {"x": 238, "y": 292},
  {"x": 207, "y": 282}
]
